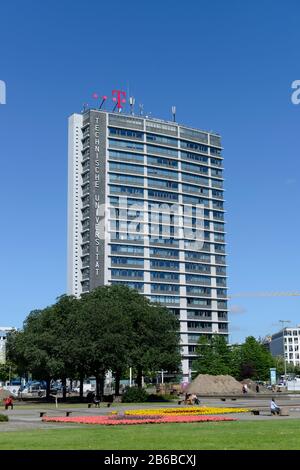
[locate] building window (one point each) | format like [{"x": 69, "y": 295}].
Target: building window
[
  {"x": 157, "y": 275},
  {"x": 164, "y": 264},
  {"x": 194, "y": 156},
  {"x": 161, "y": 139},
  {"x": 162, "y": 161},
  {"x": 127, "y": 273},
  {"x": 126, "y": 156},
  {"x": 194, "y": 146},
  {"x": 126, "y": 144},
  {"x": 162, "y": 150},
  {"x": 162, "y": 194},
  {"x": 126, "y": 133}
]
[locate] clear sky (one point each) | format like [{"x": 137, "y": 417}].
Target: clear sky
[{"x": 227, "y": 66}]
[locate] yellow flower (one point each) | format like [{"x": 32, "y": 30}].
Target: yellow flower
[{"x": 199, "y": 410}]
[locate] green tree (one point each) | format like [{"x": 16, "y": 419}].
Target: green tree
[
  {"x": 255, "y": 360},
  {"x": 124, "y": 329},
  {"x": 235, "y": 360},
  {"x": 105, "y": 331},
  {"x": 4, "y": 372},
  {"x": 39, "y": 347},
  {"x": 214, "y": 356},
  {"x": 154, "y": 338},
  {"x": 111, "y": 328},
  {"x": 280, "y": 367}
]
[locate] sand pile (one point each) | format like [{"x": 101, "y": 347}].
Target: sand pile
[{"x": 205, "y": 384}]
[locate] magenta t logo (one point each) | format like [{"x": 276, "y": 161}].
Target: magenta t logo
[{"x": 119, "y": 98}]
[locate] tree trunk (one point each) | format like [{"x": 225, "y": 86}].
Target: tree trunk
[
  {"x": 139, "y": 377},
  {"x": 48, "y": 389},
  {"x": 64, "y": 388},
  {"x": 100, "y": 385},
  {"x": 97, "y": 385},
  {"x": 81, "y": 388},
  {"x": 117, "y": 382},
  {"x": 102, "y": 379}
]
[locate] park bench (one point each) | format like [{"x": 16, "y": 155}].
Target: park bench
[
  {"x": 260, "y": 411},
  {"x": 43, "y": 413},
  {"x": 97, "y": 405},
  {"x": 284, "y": 411}
]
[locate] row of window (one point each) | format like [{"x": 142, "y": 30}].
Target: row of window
[
  {"x": 163, "y": 161},
  {"x": 124, "y": 202},
  {"x": 193, "y": 146},
  {"x": 184, "y": 132},
  {"x": 156, "y": 193},
  {"x": 131, "y": 168},
  {"x": 170, "y": 276},
  {"x": 138, "y": 250},
  {"x": 164, "y": 184},
  {"x": 160, "y": 234}
]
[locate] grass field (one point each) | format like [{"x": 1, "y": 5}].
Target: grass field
[{"x": 235, "y": 435}]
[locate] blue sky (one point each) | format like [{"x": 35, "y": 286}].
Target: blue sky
[{"x": 228, "y": 67}]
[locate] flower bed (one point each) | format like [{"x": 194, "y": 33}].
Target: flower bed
[
  {"x": 195, "y": 410},
  {"x": 113, "y": 420}
]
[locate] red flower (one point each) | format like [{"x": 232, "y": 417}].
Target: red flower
[{"x": 113, "y": 420}]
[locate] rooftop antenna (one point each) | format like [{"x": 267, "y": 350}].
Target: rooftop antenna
[
  {"x": 132, "y": 103},
  {"x": 141, "y": 106},
  {"x": 84, "y": 107},
  {"x": 104, "y": 98},
  {"x": 96, "y": 97},
  {"x": 174, "y": 113}
]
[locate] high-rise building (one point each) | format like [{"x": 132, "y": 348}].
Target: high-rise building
[{"x": 145, "y": 208}]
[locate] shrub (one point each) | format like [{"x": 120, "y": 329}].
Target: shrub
[
  {"x": 3, "y": 418},
  {"x": 159, "y": 398},
  {"x": 134, "y": 395}
]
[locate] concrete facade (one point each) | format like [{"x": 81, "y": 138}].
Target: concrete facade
[
  {"x": 287, "y": 342},
  {"x": 146, "y": 208}
]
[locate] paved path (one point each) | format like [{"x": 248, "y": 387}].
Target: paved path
[{"x": 22, "y": 418}]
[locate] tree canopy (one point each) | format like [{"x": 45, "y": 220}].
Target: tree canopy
[
  {"x": 249, "y": 360},
  {"x": 111, "y": 328}
]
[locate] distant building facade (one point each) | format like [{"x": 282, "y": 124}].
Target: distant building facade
[
  {"x": 3, "y": 336},
  {"x": 286, "y": 343}
]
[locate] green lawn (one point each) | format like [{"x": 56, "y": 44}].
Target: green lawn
[{"x": 277, "y": 434}]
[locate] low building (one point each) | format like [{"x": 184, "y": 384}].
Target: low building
[
  {"x": 3, "y": 336},
  {"x": 286, "y": 343}
]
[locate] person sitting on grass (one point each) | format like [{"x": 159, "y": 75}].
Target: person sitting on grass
[{"x": 274, "y": 408}]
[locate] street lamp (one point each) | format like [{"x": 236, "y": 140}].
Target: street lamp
[{"x": 283, "y": 322}]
